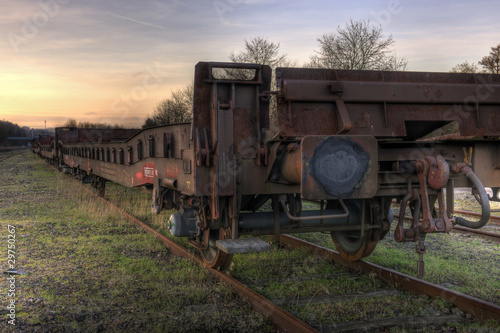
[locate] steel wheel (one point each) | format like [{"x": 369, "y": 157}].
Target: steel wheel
[
  {"x": 351, "y": 246},
  {"x": 213, "y": 256}
]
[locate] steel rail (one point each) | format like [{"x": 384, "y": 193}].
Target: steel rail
[
  {"x": 479, "y": 233},
  {"x": 14, "y": 153},
  {"x": 282, "y": 319},
  {"x": 464, "y": 212},
  {"x": 480, "y": 310}
]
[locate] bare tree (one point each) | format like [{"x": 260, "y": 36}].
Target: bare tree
[
  {"x": 71, "y": 122},
  {"x": 257, "y": 51},
  {"x": 491, "y": 63},
  {"x": 176, "y": 109},
  {"x": 260, "y": 51},
  {"x": 358, "y": 45},
  {"x": 466, "y": 67}
]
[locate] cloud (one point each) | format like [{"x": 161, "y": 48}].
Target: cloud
[{"x": 140, "y": 22}]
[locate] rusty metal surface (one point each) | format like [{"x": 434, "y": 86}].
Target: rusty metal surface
[
  {"x": 234, "y": 113},
  {"x": 485, "y": 161},
  {"x": 164, "y": 153},
  {"x": 479, "y": 309},
  {"x": 45, "y": 139},
  {"x": 74, "y": 135},
  {"x": 386, "y": 104},
  {"x": 339, "y": 167}
]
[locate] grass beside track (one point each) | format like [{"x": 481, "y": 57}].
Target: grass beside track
[{"x": 88, "y": 270}]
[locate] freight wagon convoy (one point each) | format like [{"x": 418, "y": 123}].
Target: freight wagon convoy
[{"x": 348, "y": 140}]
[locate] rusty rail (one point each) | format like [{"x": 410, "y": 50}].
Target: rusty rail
[
  {"x": 480, "y": 310},
  {"x": 464, "y": 212},
  {"x": 479, "y": 233},
  {"x": 14, "y": 153},
  {"x": 283, "y": 320}
]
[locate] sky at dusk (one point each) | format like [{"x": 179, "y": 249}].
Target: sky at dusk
[{"x": 113, "y": 61}]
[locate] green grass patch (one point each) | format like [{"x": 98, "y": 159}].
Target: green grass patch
[{"x": 89, "y": 270}]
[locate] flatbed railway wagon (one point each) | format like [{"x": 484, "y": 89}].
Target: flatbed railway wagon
[
  {"x": 351, "y": 141},
  {"x": 44, "y": 146}
]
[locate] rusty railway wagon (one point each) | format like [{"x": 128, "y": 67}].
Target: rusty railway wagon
[
  {"x": 351, "y": 141},
  {"x": 44, "y": 146}
]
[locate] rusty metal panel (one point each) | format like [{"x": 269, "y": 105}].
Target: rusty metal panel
[
  {"x": 45, "y": 139},
  {"x": 389, "y": 92},
  {"x": 69, "y": 135},
  {"x": 339, "y": 167},
  {"x": 230, "y": 113},
  {"x": 386, "y": 104},
  {"x": 105, "y": 135},
  {"x": 171, "y": 170}
]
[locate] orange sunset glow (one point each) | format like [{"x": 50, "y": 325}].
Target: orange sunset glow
[{"x": 113, "y": 62}]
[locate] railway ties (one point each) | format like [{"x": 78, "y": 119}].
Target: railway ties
[{"x": 482, "y": 311}]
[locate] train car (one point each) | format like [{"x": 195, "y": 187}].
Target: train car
[
  {"x": 35, "y": 146},
  {"x": 351, "y": 141},
  {"x": 45, "y": 147}
]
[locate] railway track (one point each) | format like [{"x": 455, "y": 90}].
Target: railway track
[
  {"x": 283, "y": 320},
  {"x": 479, "y": 233},
  {"x": 480, "y": 310},
  {"x": 493, "y": 218},
  {"x": 287, "y": 322},
  {"x": 8, "y": 154},
  {"x": 494, "y": 222}
]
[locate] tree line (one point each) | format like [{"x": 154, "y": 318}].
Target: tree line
[
  {"x": 489, "y": 64},
  {"x": 8, "y": 129},
  {"x": 88, "y": 124}
]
